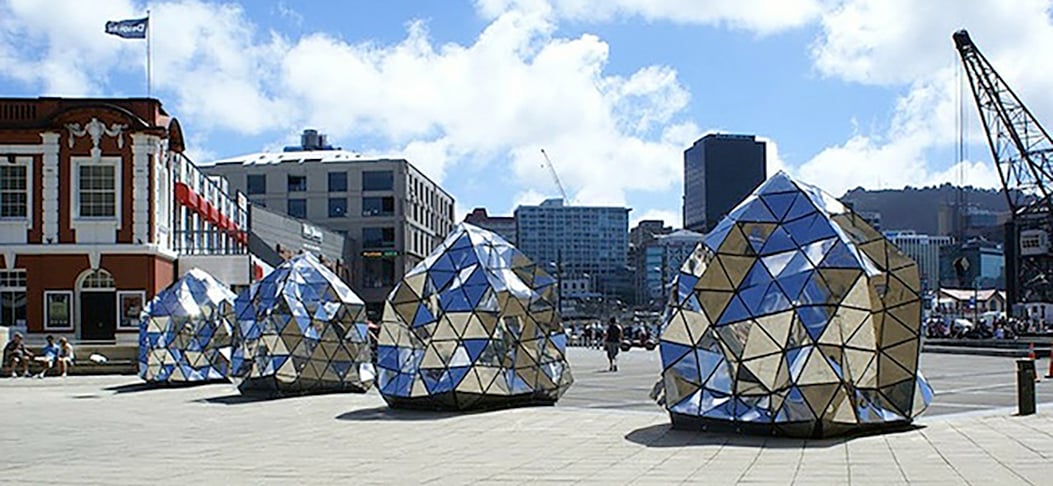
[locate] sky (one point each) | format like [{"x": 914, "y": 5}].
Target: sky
[{"x": 846, "y": 93}]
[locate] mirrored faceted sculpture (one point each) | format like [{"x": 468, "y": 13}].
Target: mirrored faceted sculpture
[
  {"x": 474, "y": 325},
  {"x": 793, "y": 317},
  {"x": 301, "y": 330},
  {"x": 185, "y": 331}
]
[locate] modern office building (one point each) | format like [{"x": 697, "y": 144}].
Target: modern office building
[
  {"x": 720, "y": 170},
  {"x": 277, "y": 237},
  {"x": 100, "y": 210},
  {"x": 984, "y": 265},
  {"x": 580, "y": 240},
  {"x": 925, "y": 250},
  {"x": 504, "y": 226},
  {"x": 394, "y": 213},
  {"x": 658, "y": 260}
]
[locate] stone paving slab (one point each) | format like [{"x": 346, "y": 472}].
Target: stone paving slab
[{"x": 109, "y": 430}]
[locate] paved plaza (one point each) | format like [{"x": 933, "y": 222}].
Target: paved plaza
[{"x": 107, "y": 430}]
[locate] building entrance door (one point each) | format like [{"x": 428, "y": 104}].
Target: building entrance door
[
  {"x": 97, "y": 301},
  {"x": 98, "y": 316}
]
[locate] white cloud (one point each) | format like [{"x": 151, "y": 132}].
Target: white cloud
[
  {"x": 876, "y": 42},
  {"x": 761, "y": 16},
  {"x": 671, "y": 218}
]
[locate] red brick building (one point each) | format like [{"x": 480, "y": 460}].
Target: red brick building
[{"x": 97, "y": 202}]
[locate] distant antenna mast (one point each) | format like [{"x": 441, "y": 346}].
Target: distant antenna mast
[{"x": 555, "y": 176}]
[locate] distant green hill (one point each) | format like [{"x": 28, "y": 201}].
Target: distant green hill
[{"x": 917, "y": 209}]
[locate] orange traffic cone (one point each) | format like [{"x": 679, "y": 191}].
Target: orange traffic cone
[{"x": 1049, "y": 374}]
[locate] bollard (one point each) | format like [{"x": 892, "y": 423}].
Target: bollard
[{"x": 1025, "y": 386}]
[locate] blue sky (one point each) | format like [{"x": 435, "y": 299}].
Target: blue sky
[{"x": 847, "y": 92}]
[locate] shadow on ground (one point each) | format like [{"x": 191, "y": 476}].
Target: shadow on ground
[
  {"x": 664, "y": 435},
  {"x": 387, "y": 413},
  {"x": 143, "y": 387}
]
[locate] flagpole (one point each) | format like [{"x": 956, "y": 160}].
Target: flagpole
[{"x": 148, "y": 67}]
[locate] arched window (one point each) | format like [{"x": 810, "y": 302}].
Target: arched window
[{"x": 99, "y": 279}]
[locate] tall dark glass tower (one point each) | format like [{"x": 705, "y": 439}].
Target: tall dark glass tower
[{"x": 720, "y": 170}]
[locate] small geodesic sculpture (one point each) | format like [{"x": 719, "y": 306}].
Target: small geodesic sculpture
[
  {"x": 185, "y": 331},
  {"x": 474, "y": 325},
  {"x": 301, "y": 330},
  {"x": 794, "y": 317}
]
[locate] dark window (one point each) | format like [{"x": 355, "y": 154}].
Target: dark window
[
  {"x": 256, "y": 184},
  {"x": 378, "y": 273},
  {"x": 297, "y": 183},
  {"x": 337, "y": 181},
  {"x": 378, "y": 180},
  {"x": 13, "y": 193},
  {"x": 298, "y": 208},
  {"x": 378, "y": 206},
  {"x": 378, "y": 237},
  {"x": 337, "y": 207}
]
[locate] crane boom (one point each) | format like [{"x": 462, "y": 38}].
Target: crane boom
[
  {"x": 555, "y": 176},
  {"x": 1021, "y": 149},
  {"x": 1019, "y": 144}
]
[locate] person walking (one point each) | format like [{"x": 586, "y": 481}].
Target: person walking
[{"x": 612, "y": 340}]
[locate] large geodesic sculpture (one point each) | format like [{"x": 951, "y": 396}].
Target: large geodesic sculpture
[
  {"x": 474, "y": 325},
  {"x": 794, "y": 317},
  {"x": 185, "y": 331},
  {"x": 301, "y": 330}
]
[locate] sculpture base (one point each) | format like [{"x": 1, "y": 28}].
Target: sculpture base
[
  {"x": 452, "y": 401},
  {"x": 802, "y": 430}
]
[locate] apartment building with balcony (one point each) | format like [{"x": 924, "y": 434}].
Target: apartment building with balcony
[{"x": 393, "y": 213}]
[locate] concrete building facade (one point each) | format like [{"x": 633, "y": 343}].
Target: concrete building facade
[
  {"x": 923, "y": 249},
  {"x": 720, "y": 170},
  {"x": 391, "y": 210},
  {"x": 658, "y": 261},
  {"x": 581, "y": 240}
]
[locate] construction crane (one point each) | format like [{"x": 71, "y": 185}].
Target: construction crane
[
  {"x": 555, "y": 176},
  {"x": 1021, "y": 149}
]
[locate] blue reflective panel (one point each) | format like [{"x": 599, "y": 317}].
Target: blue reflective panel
[
  {"x": 756, "y": 211},
  {"x": 685, "y": 285},
  {"x": 735, "y": 311},
  {"x": 802, "y": 206},
  {"x": 795, "y": 359},
  {"x": 454, "y": 300},
  {"x": 780, "y": 182},
  {"x": 689, "y": 405},
  {"x": 776, "y": 264},
  {"x": 717, "y": 235},
  {"x": 814, "y": 319},
  {"x": 560, "y": 340},
  {"x": 672, "y": 352},
  {"x": 721, "y": 406},
  {"x": 779, "y": 241},
  {"x": 757, "y": 277},
  {"x": 752, "y": 297},
  {"x": 423, "y": 316},
  {"x": 756, "y": 236},
  {"x": 809, "y": 229},
  {"x": 457, "y": 374},
  {"x": 475, "y": 347},
  {"x": 793, "y": 284},
  {"x": 840, "y": 257},
  {"x": 774, "y": 301},
  {"x": 708, "y": 361},
  {"x": 462, "y": 257},
  {"x": 779, "y": 204},
  {"x": 720, "y": 380},
  {"x": 687, "y": 368},
  {"x": 463, "y": 241}
]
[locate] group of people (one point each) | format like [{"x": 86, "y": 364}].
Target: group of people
[{"x": 53, "y": 356}]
